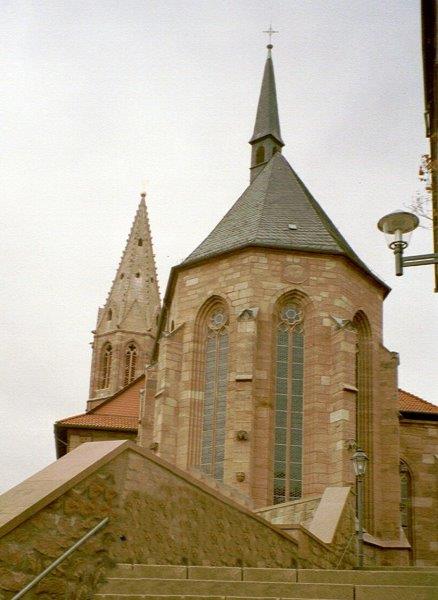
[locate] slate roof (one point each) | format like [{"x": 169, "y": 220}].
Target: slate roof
[
  {"x": 276, "y": 199},
  {"x": 410, "y": 403},
  {"x": 267, "y": 120}
]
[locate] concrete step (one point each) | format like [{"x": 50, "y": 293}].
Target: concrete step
[
  {"x": 384, "y": 577},
  {"x": 355, "y": 577},
  {"x": 143, "y": 597},
  {"x": 205, "y": 573},
  {"x": 251, "y": 589}
]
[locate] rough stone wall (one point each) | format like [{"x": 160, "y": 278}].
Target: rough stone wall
[
  {"x": 32, "y": 546},
  {"x": 291, "y": 513},
  {"x": 419, "y": 449},
  {"x": 157, "y": 515},
  {"x": 328, "y": 287},
  {"x": 168, "y": 520},
  {"x": 76, "y": 437}
]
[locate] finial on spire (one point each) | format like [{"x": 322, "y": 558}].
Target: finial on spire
[
  {"x": 143, "y": 188},
  {"x": 270, "y": 32}
]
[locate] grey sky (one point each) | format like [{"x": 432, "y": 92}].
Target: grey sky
[{"x": 99, "y": 95}]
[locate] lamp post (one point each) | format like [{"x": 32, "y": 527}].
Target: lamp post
[
  {"x": 360, "y": 461},
  {"x": 397, "y": 227}
]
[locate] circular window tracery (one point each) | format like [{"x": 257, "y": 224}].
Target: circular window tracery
[
  {"x": 291, "y": 314},
  {"x": 218, "y": 319}
]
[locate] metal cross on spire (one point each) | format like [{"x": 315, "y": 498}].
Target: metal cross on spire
[{"x": 270, "y": 32}]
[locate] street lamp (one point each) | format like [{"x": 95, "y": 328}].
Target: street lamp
[
  {"x": 397, "y": 227},
  {"x": 360, "y": 461}
]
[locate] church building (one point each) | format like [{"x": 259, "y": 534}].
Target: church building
[{"x": 263, "y": 369}]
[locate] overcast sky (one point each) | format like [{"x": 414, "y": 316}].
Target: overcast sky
[{"x": 97, "y": 96}]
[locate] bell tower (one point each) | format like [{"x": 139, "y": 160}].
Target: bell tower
[{"x": 126, "y": 324}]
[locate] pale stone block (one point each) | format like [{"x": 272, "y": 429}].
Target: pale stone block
[
  {"x": 421, "y": 502},
  {"x": 192, "y": 281},
  {"x": 340, "y": 415},
  {"x": 428, "y": 459},
  {"x": 325, "y": 380}
]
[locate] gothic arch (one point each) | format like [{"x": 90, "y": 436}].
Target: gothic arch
[
  {"x": 406, "y": 495},
  {"x": 210, "y": 362},
  {"x": 364, "y": 408},
  {"x": 130, "y": 357},
  {"x": 289, "y": 318},
  {"x": 105, "y": 366}
]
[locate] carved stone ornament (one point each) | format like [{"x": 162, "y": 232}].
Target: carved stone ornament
[
  {"x": 242, "y": 435},
  {"x": 240, "y": 476},
  {"x": 296, "y": 272},
  {"x": 153, "y": 446}
]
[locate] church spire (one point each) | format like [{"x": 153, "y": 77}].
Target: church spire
[
  {"x": 266, "y": 138},
  {"x": 126, "y": 325}
]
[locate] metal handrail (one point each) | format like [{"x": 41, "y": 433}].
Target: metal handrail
[
  {"x": 347, "y": 545},
  {"x": 59, "y": 560}
]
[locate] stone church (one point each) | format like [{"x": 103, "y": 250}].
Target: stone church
[
  {"x": 265, "y": 367},
  {"x": 260, "y": 374}
]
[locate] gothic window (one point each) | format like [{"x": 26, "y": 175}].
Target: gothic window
[
  {"x": 364, "y": 406},
  {"x": 109, "y": 315},
  {"x": 105, "y": 371},
  {"x": 406, "y": 500},
  {"x": 260, "y": 155},
  {"x": 140, "y": 242},
  {"x": 215, "y": 394},
  {"x": 288, "y": 436},
  {"x": 130, "y": 363}
]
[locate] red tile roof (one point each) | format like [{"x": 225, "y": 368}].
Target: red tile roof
[
  {"x": 119, "y": 412},
  {"x": 410, "y": 403},
  {"x": 93, "y": 421}
]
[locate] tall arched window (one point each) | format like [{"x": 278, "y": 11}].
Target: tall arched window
[
  {"x": 105, "y": 369},
  {"x": 260, "y": 155},
  {"x": 215, "y": 383},
  {"x": 363, "y": 407},
  {"x": 288, "y": 437},
  {"x": 130, "y": 363},
  {"x": 406, "y": 500}
]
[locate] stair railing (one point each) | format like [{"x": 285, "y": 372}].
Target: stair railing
[
  {"x": 347, "y": 545},
  {"x": 59, "y": 560}
]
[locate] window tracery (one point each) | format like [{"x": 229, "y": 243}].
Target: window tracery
[
  {"x": 130, "y": 363},
  {"x": 105, "y": 373},
  {"x": 215, "y": 394},
  {"x": 288, "y": 436}
]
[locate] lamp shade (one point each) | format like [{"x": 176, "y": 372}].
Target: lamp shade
[
  {"x": 398, "y": 226},
  {"x": 360, "y": 461}
]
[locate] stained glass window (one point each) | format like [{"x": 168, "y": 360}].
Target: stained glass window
[
  {"x": 130, "y": 363},
  {"x": 105, "y": 372},
  {"x": 288, "y": 438},
  {"x": 215, "y": 396},
  {"x": 405, "y": 501}
]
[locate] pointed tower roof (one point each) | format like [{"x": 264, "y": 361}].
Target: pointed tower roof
[
  {"x": 276, "y": 211},
  {"x": 134, "y": 296},
  {"x": 267, "y": 120}
]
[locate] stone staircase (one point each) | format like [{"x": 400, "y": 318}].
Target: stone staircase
[{"x": 169, "y": 582}]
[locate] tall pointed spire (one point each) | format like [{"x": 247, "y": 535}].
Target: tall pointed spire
[
  {"x": 266, "y": 139},
  {"x": 129, "y": 315}
]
